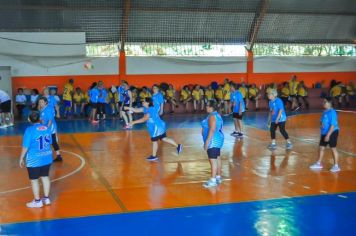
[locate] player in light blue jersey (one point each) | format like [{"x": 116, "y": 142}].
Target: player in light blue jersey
[
  {"x": 47, "y": 119},
  {"x": 102, "y": 100},
  {"x": 213, "y": 137},
  {"x": 125, "y": 111},
  {"x": 158, "y": 100},
  {"x": 155, "y": 126},
  {"x": 52, "y": 102},
  {"x": 238, "y": 106},
  {"x": 329, "y": 130},
  {"x": 277, "y": 118},
  {"x": 93, "y": 99},
  {"x": 37, "y": 155}
]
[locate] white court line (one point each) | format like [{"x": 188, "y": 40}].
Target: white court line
[
  {"x": 322, "y": 191},
  {"x": 342, "y": 196},
  {"x": 306, "y": 187},
  {"x": 307, "y": 141},
  {"x": 54, "y": 180}
]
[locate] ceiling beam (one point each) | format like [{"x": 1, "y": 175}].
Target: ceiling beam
[
  {"x": 165, "y": 9},
  {"x": 125, "y": 24},
  {"x": 256, "y": 23}
]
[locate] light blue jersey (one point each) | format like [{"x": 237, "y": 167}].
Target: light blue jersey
[
  {"x": 158, "y": 100},
  {"x": 328, "y": 119},
  {"x": 47, "y": 115},
  {"x": 37, "y": 139},
  {"x": 237, "y": 99},
  {"x": 155, "y": 125},
  {"x": 121, "y": 91},
  {"x": 103, "y": 94},
  {"x": 275, "y": 106},
  {"x": 94, "y": 95},
  {"x": 52, "y": 102},
  {"x": 217, "y": 140}
]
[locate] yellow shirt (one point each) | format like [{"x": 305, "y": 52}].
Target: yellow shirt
[
  {"x": 184, "y": 95},
  {"x": 293, "y": 87},
  {"x": 285, "y": 92},
  {"x": 268, "y": 90},
  {"x": 219, "y": 94},
  {"x": 143, "y": 95},
  {"x": 113, "y": 97},
  {"x": 252, "y": 92},
  {"x": 350, "y": 90},
  {"x": 134, "y": 96},
  {"x": 243, "y": 91},
  {"x": 197, "y": 94},
  {"x": 226, "y": 92},
  {"x": 209, "y": 94},
  {"x": 302, "y": 92},
  {"x": 78, "y": 97},
  {"x": 86, "y": 97},
  {"x": 335, "y": 91},
  {"x": 67, "y": 92},
  {"x": 170, "y": 93}
]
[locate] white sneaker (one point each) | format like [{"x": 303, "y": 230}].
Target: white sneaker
[
  {"x": 335, "y": 168},
  {"x": 316, "y": 166},
  {"x": 46, "y": 201},
  {"x": 210, "y": 183},
  {"x": 34, "y": 204},
  {"x": 218, "y": 180}
]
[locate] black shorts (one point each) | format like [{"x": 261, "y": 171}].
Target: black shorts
[
  {"x": 5, "y": 107},
  {"x": 213, "y": 153},
  {"x": 332, "y": 141},
  {"x": 293, "y": 96},
  {"x": 94, "y": 105},
  {"x": 252, "y": 99},
  {"x": 37, "y": 172},
  {"x": 120, "y": 104},
  {"x": 160, "y": 137},
  {"x": 237, "y": 116}
]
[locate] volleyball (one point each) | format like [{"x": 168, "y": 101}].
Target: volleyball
[{"x": 88, "y": 65}]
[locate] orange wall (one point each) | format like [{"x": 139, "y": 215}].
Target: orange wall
[
  {"x": 178, "y": 80},
  {"x": 39, "y": 82}
]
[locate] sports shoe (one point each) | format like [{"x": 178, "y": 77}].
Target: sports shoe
[
  {"x": 58, "y": 159},
  {"x": 316, "y": 166},
  {"x": 289, "y": 146},
  {"x": 272, "y": 146},
  {"x": 152, "y": 158},
  {"x": 235, "y": 133},
  {"x": 46, "y": 201},
  {"x": 127, "y": 127},
  {"x": 35, "y": 204},
  {"x": 210, "y": 183},
  {"x": 218, "y": 179},
  {"x": 335, "y": 168},
  {"x": 95, "y": 121},
  {"x": 179, "y": 148},
  {"x": 240, "y": 135}
]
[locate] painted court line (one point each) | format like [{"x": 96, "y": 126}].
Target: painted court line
[{"x": 54, "y": 180}]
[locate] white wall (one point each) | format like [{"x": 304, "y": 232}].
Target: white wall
[
  {"x": 47, "y": 44},
  {"x": 185, "y": 65},
  {"x": 5, "y": 79},
  {"x": 304, "y": 64},
  {"x": 39, "y": 66}
]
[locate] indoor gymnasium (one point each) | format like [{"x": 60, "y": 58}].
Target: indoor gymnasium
[{"x": 167, "y": 117}]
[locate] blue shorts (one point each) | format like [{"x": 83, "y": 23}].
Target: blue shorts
[
  {"x": 213, "y": 153},
  {"x": 67, "y": 103}
]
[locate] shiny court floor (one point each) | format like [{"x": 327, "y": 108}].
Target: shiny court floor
[{"x": 106, "y": 187}]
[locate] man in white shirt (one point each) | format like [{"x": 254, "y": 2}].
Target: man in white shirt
[
  {"x": 20, "y": 100},
  {"x": 6, "y": 118}
]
